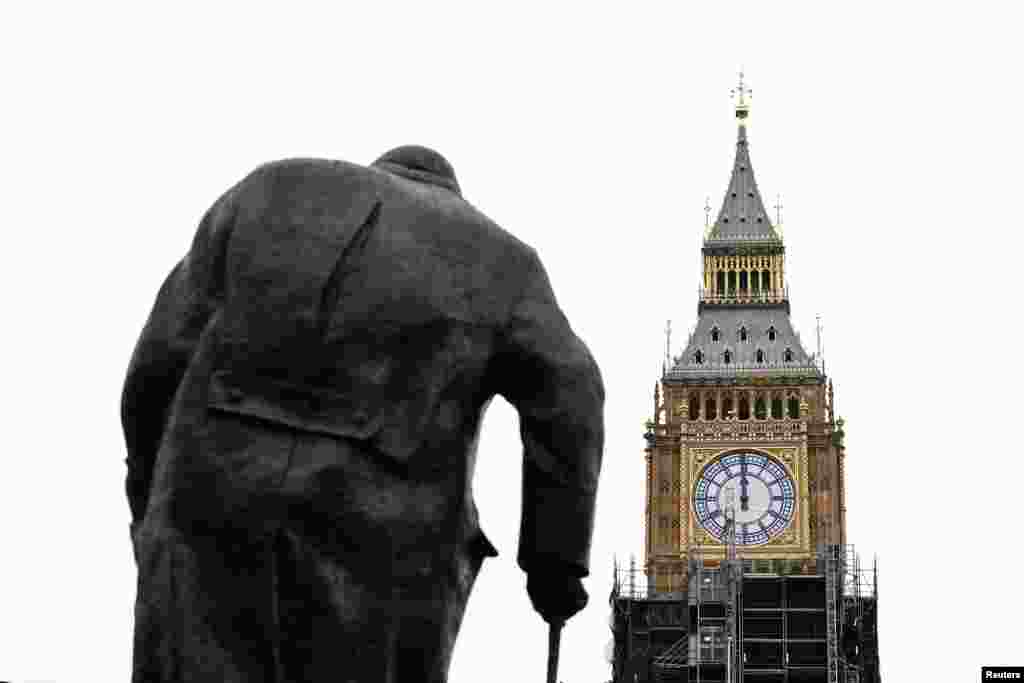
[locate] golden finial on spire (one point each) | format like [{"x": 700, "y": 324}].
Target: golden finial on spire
[{"x": 742, "y": 91}]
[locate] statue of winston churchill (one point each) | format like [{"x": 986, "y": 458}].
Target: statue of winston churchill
[{"x": 301, "y": 415}]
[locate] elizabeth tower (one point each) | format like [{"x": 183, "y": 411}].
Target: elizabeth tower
[{"x": 743, "y": 422}]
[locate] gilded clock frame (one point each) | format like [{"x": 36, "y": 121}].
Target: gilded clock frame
[{"x": 793, "y": 543}]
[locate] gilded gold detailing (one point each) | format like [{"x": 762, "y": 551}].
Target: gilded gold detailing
[
  {"x": 745, "y": 430},
  {"x": 793, "y": 543},
  {"x": 787, "y": 537},
  {"x": 703, "y": 454},
  {"x": 702, "y": 537},
  {"x": 803, "y": 446}
]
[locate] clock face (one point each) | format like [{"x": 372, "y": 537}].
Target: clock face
[{"x": 761, "y": 492}]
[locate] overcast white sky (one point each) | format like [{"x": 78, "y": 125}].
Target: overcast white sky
[{"x": 592, "y": 131}]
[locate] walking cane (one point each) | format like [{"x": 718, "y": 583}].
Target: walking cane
[{"x": 554, "y": 638}]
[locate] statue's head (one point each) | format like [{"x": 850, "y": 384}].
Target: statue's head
[{"x": 419, "y": 163}]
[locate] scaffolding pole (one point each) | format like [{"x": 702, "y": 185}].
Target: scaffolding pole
[
  {"x": 831, "y": 560},
  {"x": 732, "y": 571},
  {"x": 854, "y": 610},
  {"x": 697, "y": 562}
]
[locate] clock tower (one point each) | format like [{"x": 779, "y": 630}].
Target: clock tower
[{"x": 743, "y": 426}]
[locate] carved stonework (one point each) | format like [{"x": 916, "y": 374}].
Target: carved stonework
[
  {"x": 787, "y": 406},
  {"x": 788, "y": 537},
  {"x": 702, "y": 456},
  {"x": 703, "y": 538},
  {"x": 701, "y": 442},
  {"x": 793, "y": 543},
  {"x": 745, "y": 430}
]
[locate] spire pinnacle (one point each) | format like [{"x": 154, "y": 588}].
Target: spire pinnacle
[
  {"x": 741, "y": 92},
  {"x": 743, "y": 217},
  {"x": 668, "y": 344}
]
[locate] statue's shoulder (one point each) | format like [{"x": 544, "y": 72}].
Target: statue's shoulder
[
  {"x": 307, "y": 166},
  {"x": 302, "y": 182},
  {"x": 410, "y": 199}
]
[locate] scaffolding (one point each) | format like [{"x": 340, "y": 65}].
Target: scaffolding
[
  {"x": 858, "y": 599},
  {"x": 625, "y": 583},
  {"x": 648, "y": 629},
  {"x": 715, "y": 595},
  {"x": 670, "y": 663},
  {"x": 830, "y": 559},
  {"x": 732, "y": 570},
  {"x": 850, "y": 591},
  {"x": 702, "y": 587},
  {"x": 738, "y": 624},
  {"x": 625, "y": 592},
  {"x": 852, "y": 610}
]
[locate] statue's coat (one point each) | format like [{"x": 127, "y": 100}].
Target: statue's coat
[{"x": 301, "y": 415}]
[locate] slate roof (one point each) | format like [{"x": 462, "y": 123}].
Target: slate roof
[
  {"x": 742, "y": 217},
  {"x": 758, "y": 321}
]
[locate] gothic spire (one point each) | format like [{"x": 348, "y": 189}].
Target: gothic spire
[{"x": 742, "y": 218}]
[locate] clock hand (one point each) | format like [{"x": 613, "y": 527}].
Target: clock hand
[{"x": 744, "y": 497}]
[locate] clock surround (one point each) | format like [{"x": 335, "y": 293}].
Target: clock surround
[{"x": 764, "y": 494}]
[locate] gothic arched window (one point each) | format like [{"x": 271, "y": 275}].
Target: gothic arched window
[
  {"x": 698, "y": 357},
  {"x": 771, "y": 333},
  {"x": 759, "y": 356},
  {"x": 744, "y": 408},
  {"x": 788, "y": 355},
  {"x": 743, "y": 334},
  {"x": 760, "y": 409},
  {"x": 776, "y": 408},
  {"x": 694, "y": 406},
  {"x": 710, "y": 409},
  {"x": 794, "y": 408},
  {"x": 714, "y": 333},
  {"x": 727, "y": 357}
]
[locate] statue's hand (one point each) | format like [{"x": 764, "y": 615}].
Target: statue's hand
[{"x": 556, "y": 595}]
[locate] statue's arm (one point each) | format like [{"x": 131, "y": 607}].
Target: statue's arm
[
  {"x": 550, "y": 377},
  {"x": 184, "y": 305}
]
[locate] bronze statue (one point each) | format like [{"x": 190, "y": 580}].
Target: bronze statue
[{"x": 301, "y": 415}]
